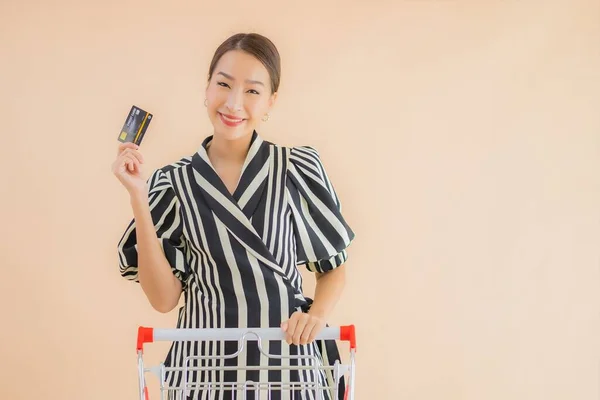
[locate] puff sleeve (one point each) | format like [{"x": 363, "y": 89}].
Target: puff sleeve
[
  {"x": 165, "y": 211},
  {"x": 322, "y": 234}
]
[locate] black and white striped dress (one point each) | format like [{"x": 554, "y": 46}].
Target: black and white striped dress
[{"x": 238, "y": 255}]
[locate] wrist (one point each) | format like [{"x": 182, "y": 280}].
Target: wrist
[
  {"x": 138, "y": 195},
  {"x": 317, "y": 312}
]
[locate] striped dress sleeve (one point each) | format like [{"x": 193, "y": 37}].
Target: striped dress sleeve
[
  {"x": 165, "y": 211},
  {"x": 322, "y": 234}
]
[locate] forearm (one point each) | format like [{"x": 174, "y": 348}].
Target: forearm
[
  {"x": 161, "y": 287},
  {"x": 328, "y": 290}
]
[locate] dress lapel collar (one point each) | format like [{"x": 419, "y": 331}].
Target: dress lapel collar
[
  {"x": 253, "y": 176},
  {"x": 236, "y": 210}
]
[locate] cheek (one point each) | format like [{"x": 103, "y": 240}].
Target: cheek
[
  {"x": 212, "y": 97},
  {"x": 214, "y": 104},
  {"x": 256, "y": 108}
]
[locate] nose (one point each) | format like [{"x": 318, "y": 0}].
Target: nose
[{"x": 234, "y": 101}]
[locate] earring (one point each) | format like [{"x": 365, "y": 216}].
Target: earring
[
  {"x": 205, "y": 102},
  {"x": 263, "y": 118}
]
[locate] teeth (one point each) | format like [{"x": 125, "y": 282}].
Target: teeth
[{"x": 232, "y": 120}]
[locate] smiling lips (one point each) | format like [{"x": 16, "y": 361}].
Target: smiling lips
[{"x": 230, "y": 120}]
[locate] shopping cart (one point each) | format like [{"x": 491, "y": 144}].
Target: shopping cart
[{"x": 240, "y": 390}]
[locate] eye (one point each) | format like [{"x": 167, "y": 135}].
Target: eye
[
  {"x": 222, "y": 84},
  {"x": 252, "y": 90}
]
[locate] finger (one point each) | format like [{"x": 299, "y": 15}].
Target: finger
[
  {"x": 127, "y": 145},
  {"x": 291, "y": 328},
  {"x": 126, "y": 160},
  {"x": 314, "y": 332},
  {"x": 315, "y": 328},
  {"x": 302, "y": 321},
  {"x": 131, "y": 163},
  {"x": 129, "y": 157},
  {"x": 135, "y": 166},
  {"x": 134, "y": 153},
  {"x": 309, "y": 331}
]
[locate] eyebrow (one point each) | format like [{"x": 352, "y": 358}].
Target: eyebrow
[{"x": 247, "y": 80}]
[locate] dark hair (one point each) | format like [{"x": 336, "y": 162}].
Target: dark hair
[{"x": 256, "y": 45}]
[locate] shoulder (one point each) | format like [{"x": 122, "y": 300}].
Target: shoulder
[
  {"x": 299, "y": 156},
  {"x": 163, "y": 177},
  {"x": 173, "y": 167},
  {"x": 307, "y": 169},
  {"x": 304, "y": 152},
  {"x": 307, "y": 160}
]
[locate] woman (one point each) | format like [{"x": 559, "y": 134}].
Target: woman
[{"x": 233, "y": 222}]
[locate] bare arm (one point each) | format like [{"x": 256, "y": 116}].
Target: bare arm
[
  {"x": 302, "y": 328},
  {"x": 160, "y": 285},
  {"x": 328, "y": 290}
]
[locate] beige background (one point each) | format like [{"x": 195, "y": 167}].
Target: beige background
[{"x": 462, "y": 136}]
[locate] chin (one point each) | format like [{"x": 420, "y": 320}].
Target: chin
[{"x": 232, "y": 134}]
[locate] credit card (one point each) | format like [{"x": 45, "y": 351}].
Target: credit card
[{"x": 135, "y": 126}]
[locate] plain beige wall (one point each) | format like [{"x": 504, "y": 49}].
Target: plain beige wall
[{"x": 463, "y": 138}]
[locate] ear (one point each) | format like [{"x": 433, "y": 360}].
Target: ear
[{"x": 272, "y": 100}]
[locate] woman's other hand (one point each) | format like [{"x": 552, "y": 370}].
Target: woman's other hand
[{"x": 302, "y": 328}]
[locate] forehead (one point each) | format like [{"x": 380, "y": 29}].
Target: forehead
[{"x": 242, "y": 65}]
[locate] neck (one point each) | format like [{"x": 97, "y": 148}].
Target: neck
[{"x": 229, "y": 150}]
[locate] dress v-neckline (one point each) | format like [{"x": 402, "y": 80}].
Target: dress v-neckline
[
  {"x": 253, "y": 149},
  {"x": 238, "y": 181}
]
